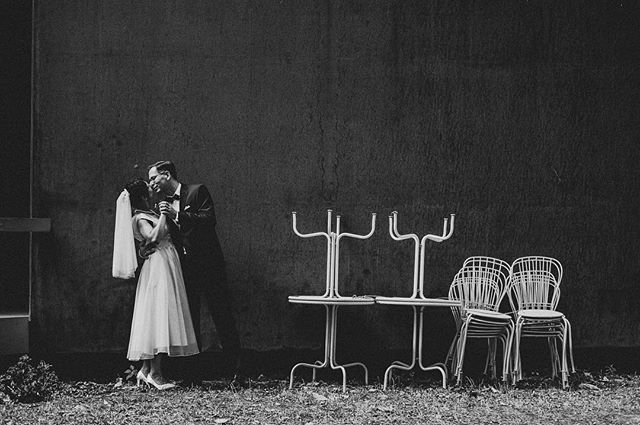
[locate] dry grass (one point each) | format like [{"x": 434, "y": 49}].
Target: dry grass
[{"x": 603, "y": 400}]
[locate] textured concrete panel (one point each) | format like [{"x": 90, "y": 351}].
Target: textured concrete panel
[{"x": 520, "y": 117}]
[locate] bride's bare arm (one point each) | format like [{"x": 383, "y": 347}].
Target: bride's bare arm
[
  {"x": 161, "y": 229},
  {"x": 153, "y": 233}
]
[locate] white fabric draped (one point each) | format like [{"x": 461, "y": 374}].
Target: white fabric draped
[{"x": 125, "y": 261}]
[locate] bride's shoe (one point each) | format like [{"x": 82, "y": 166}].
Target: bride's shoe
[
  {"x": 166, "y": 386},
  {"x": 141, "y": 378}
]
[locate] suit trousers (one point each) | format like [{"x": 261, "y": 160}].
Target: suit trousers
[{"x": 211, "y": 284}]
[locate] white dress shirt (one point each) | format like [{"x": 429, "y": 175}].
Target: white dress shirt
[{"x": 176, "y": 202}]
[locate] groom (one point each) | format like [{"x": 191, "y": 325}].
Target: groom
[{"x": 193, "y": 231}]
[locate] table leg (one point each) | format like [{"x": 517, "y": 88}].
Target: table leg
[
  {"x": 327, "y": 346},
  {"x": 332, "y": 357},
  {"x": 436, "y": 366},
  {"x": 331, "y": 330},
  {"x": 401, "y": 365}
]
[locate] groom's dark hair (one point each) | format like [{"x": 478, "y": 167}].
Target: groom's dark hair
[{"x": 165, "y": 166}]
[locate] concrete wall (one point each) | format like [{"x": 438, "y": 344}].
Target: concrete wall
[{"x": 519, "y": 116}]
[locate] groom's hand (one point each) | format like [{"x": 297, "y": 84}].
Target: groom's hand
[
  {"x": 167, "y": 209},
  {"x": 147, "y": 249}
]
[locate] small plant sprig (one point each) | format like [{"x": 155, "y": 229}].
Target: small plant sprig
[{"x": 28, "y": 383}]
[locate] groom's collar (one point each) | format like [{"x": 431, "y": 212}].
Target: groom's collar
[{"x": 177, "y": 192}]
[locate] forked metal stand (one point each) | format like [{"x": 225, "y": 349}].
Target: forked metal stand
[
  {"x": 417, "y": 299},
  {"x": 331, "y": 299}
]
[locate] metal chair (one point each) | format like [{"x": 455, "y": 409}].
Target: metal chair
[
  {"x": 480, "y": 292},
  {"x": 534, "y": 293},
  {"x": 502, "y": 268}
]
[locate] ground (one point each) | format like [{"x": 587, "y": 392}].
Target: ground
[{"x": 612, "y": 399}]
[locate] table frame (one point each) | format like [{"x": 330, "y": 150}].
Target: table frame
[
  {"x": 417, "y": 299},
  {"x": 331, "y": 299}
]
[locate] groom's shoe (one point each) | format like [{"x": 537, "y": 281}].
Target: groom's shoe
[
  {"x": 239, "y": 380},
  {"x": 191, "y": 382},
  {"x": 240, "y": 375}
]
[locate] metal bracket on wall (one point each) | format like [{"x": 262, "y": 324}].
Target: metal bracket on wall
[{"x": 14, "y": 326}]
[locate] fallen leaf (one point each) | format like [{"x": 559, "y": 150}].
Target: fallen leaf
[
  {"x": 584, "y": 385},
  {"x": 319, "y": 397}
]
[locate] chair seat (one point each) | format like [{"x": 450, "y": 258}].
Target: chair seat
[
  {"x": 487, "y": 313},
  {"x": 540, "y": 314}
]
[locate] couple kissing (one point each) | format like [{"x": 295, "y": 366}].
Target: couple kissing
[{"x": 183, "y": 265}]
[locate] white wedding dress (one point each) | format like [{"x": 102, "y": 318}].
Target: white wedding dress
[{"x": 161, "y": 318}]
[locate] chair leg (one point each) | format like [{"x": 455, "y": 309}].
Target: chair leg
[
  {"x": 517, "y": 363},
  {"x": 494, "y": 363},
  {"x": 568, "y": 325},
  {"x": 553, "y": 351},
  {"x": 451, "y": 354},
  {"x": 490, "y": 363},
  {"x": 506, "y": 361},
  {"x": 462, "y": 343},
  {"x": 565, "y": 371}
]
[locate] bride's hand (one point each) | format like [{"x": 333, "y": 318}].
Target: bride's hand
[{"x": 167, "y": 209}]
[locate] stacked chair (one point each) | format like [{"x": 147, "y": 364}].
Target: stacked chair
[
  {"x": 532, "y": 285},
  {"x": 480, "y": 287},
  {"x": 534, "y": 292}
]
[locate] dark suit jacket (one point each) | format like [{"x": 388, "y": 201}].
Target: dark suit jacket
[{"x": 195, "y": 236}]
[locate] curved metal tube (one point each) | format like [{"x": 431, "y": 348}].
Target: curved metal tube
[
  {"x": 393, "y": 229},
  {"x": 336, "y": 249},
  {"x": 307, "y": 235},
  {"x": 401, "y": 365},
  {"x": 434, "y": 238},
  {"x": 352, "y": 235},
  {"x": 328, "y": 283},
  {"x": 442, "y": 368},
  {"x": 445, "y": 235},
  {"x": 395, "y": 235}
]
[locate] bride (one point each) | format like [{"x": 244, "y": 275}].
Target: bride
[{"x": 161, "y": 320}]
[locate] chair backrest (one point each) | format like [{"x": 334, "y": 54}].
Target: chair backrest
[
  {"x": 538, "y": 265},
  {"x": 476, "y": 287},
  {"x": 533, "y": 290},
  {"x": 534, "y": 283},
  {"x": 500, "y": 266}
]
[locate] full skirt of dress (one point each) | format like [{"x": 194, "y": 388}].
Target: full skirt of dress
[{"x": 161, "y": 317}]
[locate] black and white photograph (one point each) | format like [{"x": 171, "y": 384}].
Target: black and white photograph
[{"x": 320, "y": 212}]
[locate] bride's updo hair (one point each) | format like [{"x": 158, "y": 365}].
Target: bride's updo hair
[{"x": 138, "y": 194}]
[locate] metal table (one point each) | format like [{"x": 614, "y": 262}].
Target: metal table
[
  {"x": 331, "y": 323},
  {"x": 331, "y": 299},
  {"x": 417, "y": 299},
  {"x": 418, "y": 334}
]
